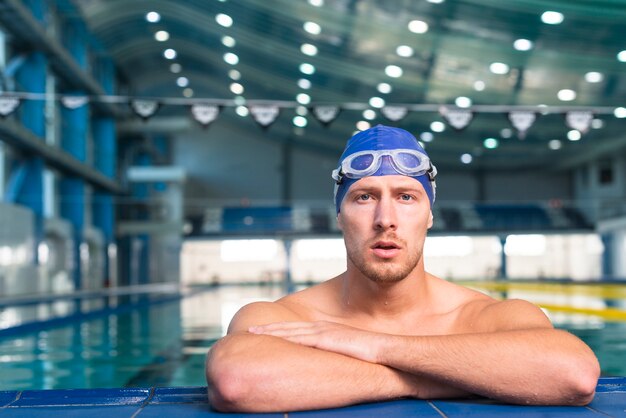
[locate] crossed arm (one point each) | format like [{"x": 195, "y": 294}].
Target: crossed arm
[{"x": 295, "y": 365}]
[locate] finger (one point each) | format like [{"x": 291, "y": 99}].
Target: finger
[{"x": 261, "y": 329}]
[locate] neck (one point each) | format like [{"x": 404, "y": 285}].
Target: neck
[{"x": 359, "y": 294}]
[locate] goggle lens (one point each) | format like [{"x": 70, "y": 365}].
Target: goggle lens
[
  {"x": 407, "y": 161},
  {"x": 362, "y": 162}
]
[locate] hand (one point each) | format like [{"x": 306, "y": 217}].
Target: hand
[{"x": 329, "y": 336}]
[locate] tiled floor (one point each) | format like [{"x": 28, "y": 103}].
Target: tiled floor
[{"x": 192, "y": 402}]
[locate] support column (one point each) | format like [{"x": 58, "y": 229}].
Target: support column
[
  {"x": 74, "y": 123},
  {"x": 503, "y": 269},
  {"x": 105, "y": 152},
  {"x": 608, "y": 240},
  {"x": 31, "y": 77}
]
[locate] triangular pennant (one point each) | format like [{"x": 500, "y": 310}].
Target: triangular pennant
[
  {"x": 394, "y": 113},
  {"x": 579, "y": 120},
  {"x": 8, "y": 105},
  {"x": 205, "y": 114},
  {"x": 457, "y": 118},
  {"x": 326, "y": 114},
  {"x": 264, "y": 115},
  {"x": 145, "y": 109},
  {"x": 522, "y": 120},
  {"x": 74, "y": 102}
]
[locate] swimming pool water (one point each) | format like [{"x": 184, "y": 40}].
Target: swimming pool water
[{"x": 166, "y": 344}]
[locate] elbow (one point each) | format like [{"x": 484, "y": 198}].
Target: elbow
[
  {"x": 583, "y": 383},
  {"x": 228, "y": 387}
]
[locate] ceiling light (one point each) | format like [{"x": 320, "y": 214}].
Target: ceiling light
[
  {"x": 418, "y": 26},
  {"x": 552, "y": 18},
  {"x": 620, "y": 112},
  {"x": 377, "y": 102},
  {"x": 236, "y": 88},
  {"x": 316, "y": 3},
  {"x": 182, "y": 81},
  {"x": 404, "y": 51},
  {"x": 566, "y": 95},
  {"x": 363, "y": 125},
  {"x": 303, "y": 83},
  {"x": 302, "y": 110},
  {"x": 300, "y": 121},
  {"x": 369, "y": 114},
  {"x": 228, "y": 41},
  {"x": 307, "y": 68},
  {"x": 162, "y": 36},
  {"x": 188, "y": 92},
  {"x": 176, "y": 68},
  {"x": 621, "y": 56},
  {"x": 242, "y": 111},
  {"x": 594, "y": 77},
  {"x": 308, "y": 49},
  {"x": 312, "y": 28},
  {"x": 498, "y": 68},
  {"x": 490, "y": 143},
  {"x": 523, "y": 44},
  {"x": 479, "y": 85},
  {"x": 573, "y": 135},
  {"x": 427, "y": 136},
  {"x": 463, "y": 101},
  {"x": 169, "y": 53},
  {"x": 506, "y": 133},
  {"x": 234, "y": 74},
  {"x": 303, "y": 98},
  {"x": 466, "y": 158},
  {"x": 224, "y": 20},
  {"x": 437, "y": 126},
  {"x": 393, "y": 71},
  {"x": 435, "y": 1},
  {"x": 231, "y": 58},
  {"x": 554, "y": 144},
  {"x": 239, "y": 100},
  {"x": 597, "y": 124},
  {"x": 384, "y": 88},
  {"x": 153, "y": 17}
]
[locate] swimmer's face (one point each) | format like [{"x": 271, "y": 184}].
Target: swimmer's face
[{"x": 384, "y": 220}]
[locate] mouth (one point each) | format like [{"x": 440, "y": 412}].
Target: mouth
[{"x": 385, "y": 249}]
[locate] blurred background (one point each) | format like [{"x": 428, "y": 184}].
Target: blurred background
[{"x": 164, "y": 162}]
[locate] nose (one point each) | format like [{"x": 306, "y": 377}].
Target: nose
[{"x": 385, "y": 217}]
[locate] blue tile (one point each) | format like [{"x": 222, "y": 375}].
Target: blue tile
[
  {"x": 401, "y": 408},
  {"x": 126, "y": 396},
  {"x": 8, "y": 396},
  {"x": 486, "y": 408},
  {"x": 611, "y": 384},
  {"x": 192, "y": 411},
  {"x": 126, "y": 411},
  {"x": 613, "y": 404},
  {"x": 196, "y": 394}
]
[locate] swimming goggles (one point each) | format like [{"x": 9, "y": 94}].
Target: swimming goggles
[{"x": 361, "y": 164}]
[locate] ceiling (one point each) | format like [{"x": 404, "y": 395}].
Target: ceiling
[{"x": 358, "y": 39}]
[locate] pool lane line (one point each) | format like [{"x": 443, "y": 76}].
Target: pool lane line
[
  {"x": 606, "y": 313},
  {"x": 603, "y": 290}
]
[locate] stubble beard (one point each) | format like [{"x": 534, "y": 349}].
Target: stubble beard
[{"x": 384, "y": 271}]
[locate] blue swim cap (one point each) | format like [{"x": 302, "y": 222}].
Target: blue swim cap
[{"x": 378, "y": 138}]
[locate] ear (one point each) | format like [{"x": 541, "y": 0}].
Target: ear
[
  {"x": 339, "y": 223},
  {"x": 430, "y": 219}
]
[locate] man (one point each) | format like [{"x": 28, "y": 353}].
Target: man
[{"x": 385, "y": 328}]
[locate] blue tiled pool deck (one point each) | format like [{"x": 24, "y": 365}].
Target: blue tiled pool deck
[{"x": 192, "y": 402}]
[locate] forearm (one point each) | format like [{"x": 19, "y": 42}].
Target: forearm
[
  {"x": 539, "y": 366},
  {"x": 253, "y": 373}
]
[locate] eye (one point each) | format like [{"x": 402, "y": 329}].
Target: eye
[
  {"x": 406, "y": 197},
  {"x": 364, "y": 197}
]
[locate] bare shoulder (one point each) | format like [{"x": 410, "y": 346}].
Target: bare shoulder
[
  {"x": 260, "y": 313},
  {"x": 506, "y": 315}
]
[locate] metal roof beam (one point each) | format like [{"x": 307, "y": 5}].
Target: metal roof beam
[
  {"x": 21, "y": 138},
  {"x": 21, "y": 23}
]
